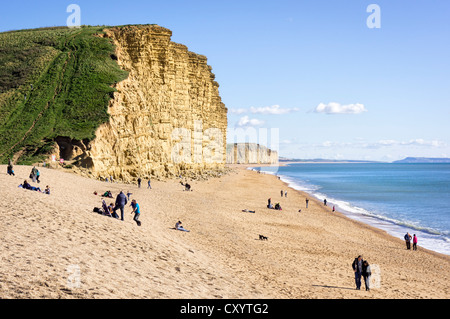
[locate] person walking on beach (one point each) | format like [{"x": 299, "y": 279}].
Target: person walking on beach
[
  {"x": 408, "y": 241},
  {"x": 33, "y": 174},
  {"x": 10, "y": 170},
  {"x": 121, "y": 201},
  {"x": 139, "y": 182},
  {"x": 414, "y": 242},
  {"x": 357, "y": 266},
  {"x": 366, "y": 273},
  {"x": 285, "y": 194},
  {"x": 149, "y": 186},
  {"x": 307, "y": 201},
  {"x": 136, "y": 211},
  {"x": 281, "y": 193},
  {"x": 325, "y": 202},
  {"x": 38, "y": 174}
]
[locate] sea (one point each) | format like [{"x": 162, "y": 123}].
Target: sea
[{"x": 395, "y": 197}]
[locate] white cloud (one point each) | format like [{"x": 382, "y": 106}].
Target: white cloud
[
  {"x": 238, "y": 111},
  {"x": 274, "y": 110},
  {"x": 336, "y": 108},
  {"x": 246, "y": 121}
]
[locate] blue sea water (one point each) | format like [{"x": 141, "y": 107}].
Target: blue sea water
[{"x": 397, "y": 198}]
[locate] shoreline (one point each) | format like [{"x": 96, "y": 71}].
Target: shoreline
[
  {"x": 391, "y": 228},
  {"x": 360, "y": 223},
  {"x": 308, "y": 254}
]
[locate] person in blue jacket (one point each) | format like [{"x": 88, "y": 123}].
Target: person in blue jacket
[{"x": 136, "y": 211}]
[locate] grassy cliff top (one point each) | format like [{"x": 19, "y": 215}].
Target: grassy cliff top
[{"x": 53, "y": 82}]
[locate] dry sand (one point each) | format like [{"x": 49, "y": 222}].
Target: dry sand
[{"x": 46, "y": 238}]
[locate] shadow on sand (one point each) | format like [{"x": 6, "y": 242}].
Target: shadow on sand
[{"x": 335, "y": 287}]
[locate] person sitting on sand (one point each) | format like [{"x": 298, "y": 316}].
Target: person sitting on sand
[
  {"x": 26, "y": 185},
  {"x": 47, "y": 190},
  {"x": 111, "y": 208},
  {"x": 187, "y": 187},
  {"x": 178, "y": 226},
  {"x": 108, "y": 194}
]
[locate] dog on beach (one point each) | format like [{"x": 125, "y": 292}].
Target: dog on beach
[{"x": 261, "y": 237}]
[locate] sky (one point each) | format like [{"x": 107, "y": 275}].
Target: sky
[{"x": 334, "y": 79}]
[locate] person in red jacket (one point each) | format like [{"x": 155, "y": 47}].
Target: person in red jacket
[{"x": 414, "y": 242}]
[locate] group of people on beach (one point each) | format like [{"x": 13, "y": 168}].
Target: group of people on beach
[
  {"x": 34, "y": 175},
  {"x": 277, "y": 206},
  {"x": 121, "y": 201},
  {"x": 361, "y": 268},
  {"x": 408, "y": 239},
  {"x": 149, "y": 184}
]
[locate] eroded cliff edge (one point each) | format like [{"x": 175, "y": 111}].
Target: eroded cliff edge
[{"x": 166, "y": 118}]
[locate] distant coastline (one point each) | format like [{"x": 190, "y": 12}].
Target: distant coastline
[
  {"x": 328, "y": 161},
  {"x": 424, "y": 160}
]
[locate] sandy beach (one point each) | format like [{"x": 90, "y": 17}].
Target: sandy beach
[{"x": 55, "y": 246}]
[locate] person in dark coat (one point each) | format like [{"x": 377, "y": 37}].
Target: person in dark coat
[
  {"x": 121, "y": 201},
  {"x": 366, "y": 273},
  {"x": 357, "y": 266},
  {"x": 408, "y": 241}
]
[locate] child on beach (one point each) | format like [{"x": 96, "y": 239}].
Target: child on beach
[
  {"x": 136, "y": 211},
  {"x": 178, "y": 226},
  {"x": 129, "y": 194}
]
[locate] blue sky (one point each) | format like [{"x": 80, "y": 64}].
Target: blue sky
[{"x": 313, "y": 71}]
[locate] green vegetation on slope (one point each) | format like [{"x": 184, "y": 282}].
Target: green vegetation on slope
[{"x": 53, "y": 82}]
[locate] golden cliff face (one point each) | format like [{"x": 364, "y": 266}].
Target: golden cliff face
[{"x": 166, "y": 118}]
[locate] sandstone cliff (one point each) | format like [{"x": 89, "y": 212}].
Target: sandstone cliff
[
  {"x": 166, "y": 118},
  {"x": 250, "y": 153}
]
